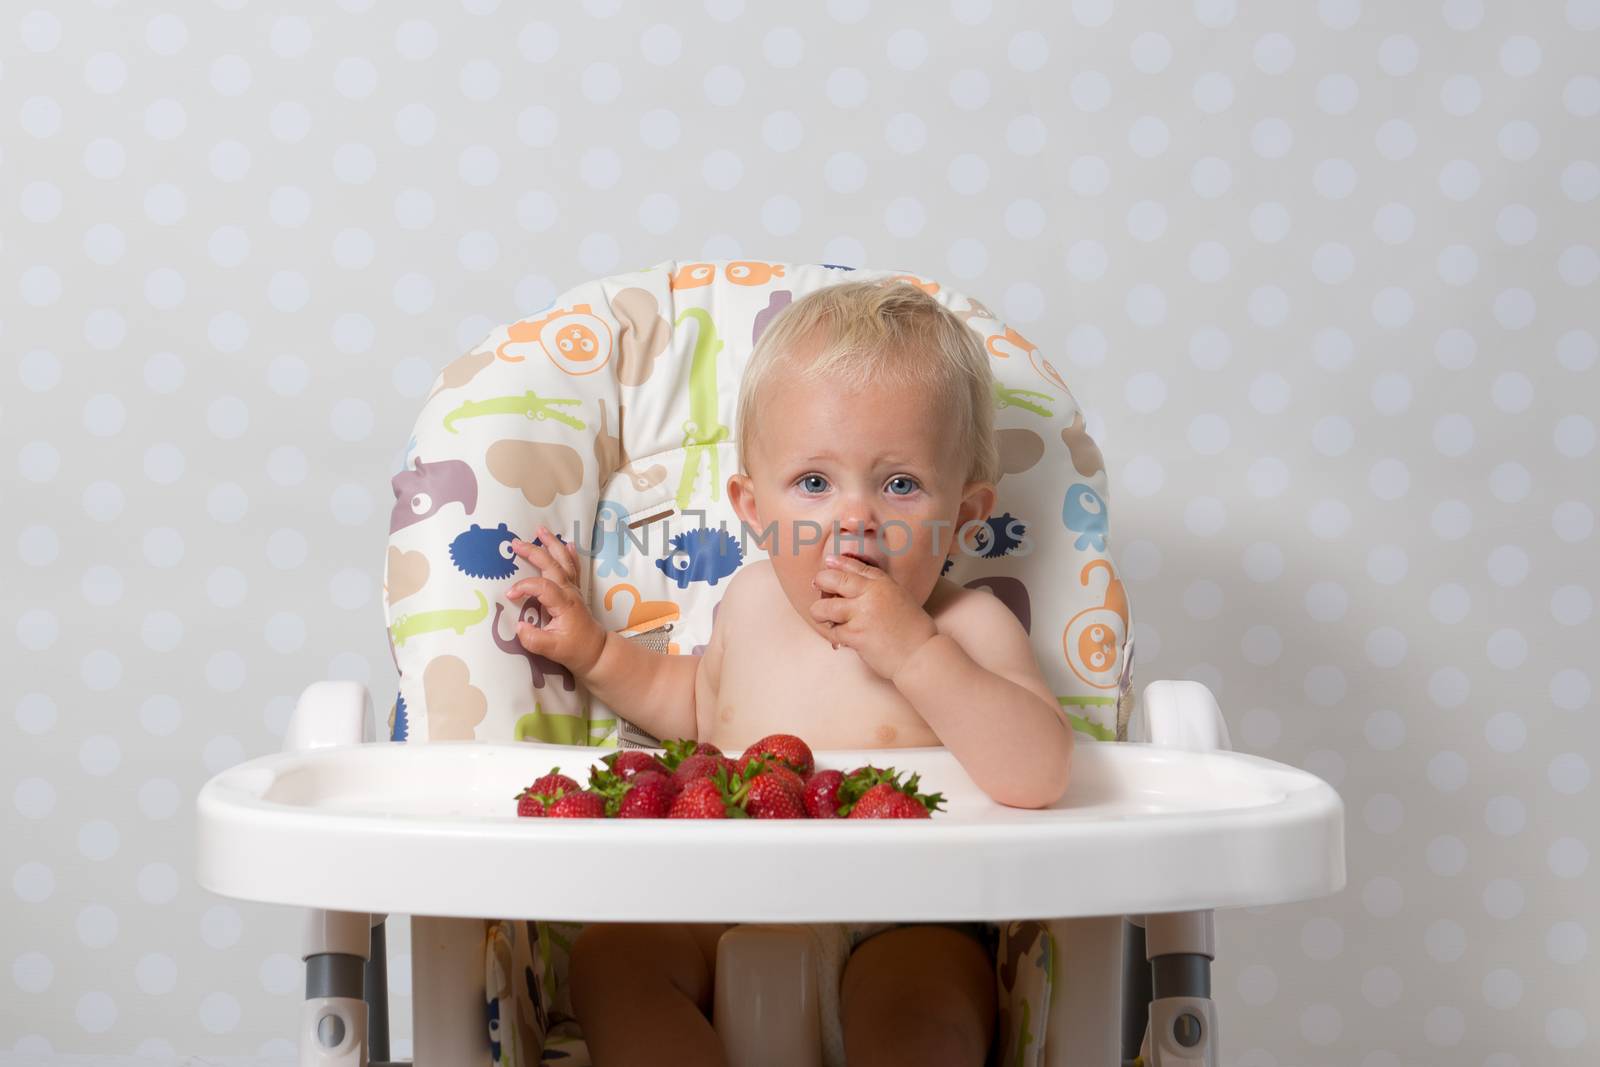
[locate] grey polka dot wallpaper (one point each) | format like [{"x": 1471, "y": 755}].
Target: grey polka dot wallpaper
[{"x": 1323, "y": 276}]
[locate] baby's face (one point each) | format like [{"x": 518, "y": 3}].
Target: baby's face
[{"x": 881, "y": 463}]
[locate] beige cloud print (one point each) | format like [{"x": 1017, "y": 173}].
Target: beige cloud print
[{"x": 455, "y": 705}]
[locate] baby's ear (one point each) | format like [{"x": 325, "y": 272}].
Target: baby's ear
[
  {"x": 742, "y": 495},
  {"x": 977, "y": 502}
]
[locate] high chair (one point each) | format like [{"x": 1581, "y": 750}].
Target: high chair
[{"x": 609, "y": 416}]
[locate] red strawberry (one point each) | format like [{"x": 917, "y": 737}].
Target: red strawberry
[
  {"x": 901, "y": 806},
  {"x": 678, "y": 751},
  {"x": 703, "y": 798},
  {"x": 631, "y": 761},
  {"x": 874, "y": 803},
  {"x": 885, "y": 797},
  {"x": 647, "y": 796},
  {"x": 786, "y": 748},
  {"x": 768, "y": 796},
  {"x": 821, "y": 794},
  {"x": 579, "y": 805},
  {"x": 534, "y": 800}
]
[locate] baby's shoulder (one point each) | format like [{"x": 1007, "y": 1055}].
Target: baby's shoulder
[
  {"x": 974, "y": 617},
  {"x": 746, "y": 585}
]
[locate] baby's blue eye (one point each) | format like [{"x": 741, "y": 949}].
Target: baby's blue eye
[
  {"x": 910, "y": 485},
  {"x": 810, "y": 483}
]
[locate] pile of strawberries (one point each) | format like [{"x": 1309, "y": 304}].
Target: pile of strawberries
[{"x": 775, "y": 778}]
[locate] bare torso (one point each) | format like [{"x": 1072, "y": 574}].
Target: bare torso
[{"x": 774, "y": 674}]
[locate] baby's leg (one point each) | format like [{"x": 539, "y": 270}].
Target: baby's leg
[
  {"x": 641, "y": 988},
  {"x": 918, "y": 994}
]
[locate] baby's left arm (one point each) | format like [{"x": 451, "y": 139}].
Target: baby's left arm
[{"x": 977, "y": 685}]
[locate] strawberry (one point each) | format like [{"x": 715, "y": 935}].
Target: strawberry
[
  {"x": 534, "y": 801},
  {"x": 821, "y": 793},
  {"x": 785, "y": 748},
  {"x": 631, "y": 761},
  {"x": 580, "y": 805},
  {"x": 704, "y": 798},
  {"x": 874, "y": 803},
  {"x": 678, "y": 751},
  {"x": 702, "y": 766},
  {"x": 884, "y": 796},
  {"x": 768, "y": 796},
  {"x": 649, "y": 798}
]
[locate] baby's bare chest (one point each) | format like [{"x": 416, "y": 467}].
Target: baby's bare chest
[{"x": 780, "y": 678}]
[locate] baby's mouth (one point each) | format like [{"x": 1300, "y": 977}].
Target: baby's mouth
[{"x": 868, "y": 560}]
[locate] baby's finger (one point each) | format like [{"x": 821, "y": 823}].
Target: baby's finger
[
  {"x": 547, "y": 561},
  {"x": 831, "y": 609},
  {"x": 838, "y": 583}
]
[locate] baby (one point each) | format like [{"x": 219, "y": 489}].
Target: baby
[{"x": 865, "y": 443}]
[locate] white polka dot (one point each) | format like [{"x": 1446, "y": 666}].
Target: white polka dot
[
  {"x": 156, "y": 973},
  {"x": 1568, "y": 858},
  {"x": 98, "y": 839},
  {"x": 1451, "y": 520},
  {"x": 1268, "y": 477},
  {"x": 1143, "y": 476},
  {"x": 157, "y": 883},
  {"x": 1506, "y": 731},
  {"x": 1148, "y": 137},
  {"x": 281, "y": 974},
  {"x": 96, "y": 1012},
  {"x": 1565, "y": 1028},
  {"x": 220, "y": 926},
  {"x": 1459, "y": 180},
  {"x": 1518, "y": 140},
  {"x": 1568, "y": 774},
  {"x": 219, "y": 1013},
  {"x": 1567, "y": 942},
  {"x": 1210, "y": 177},
  {"x": 1269, "y": 222},
  {"x": 1461, "y": 94},
  {"x": 1578, "y": 265},
  {"x": 1505, "y": 815},
  {"x": 1213, "y": 92},
  {"x": 33, "y": 972},
  {"x": 1151, "y": 52},
  {"x": 1387, "y": 564},
  {"x": 1089, "y": 91},
  {"x": 1332, "y": 435},
  {"x": 1582, "y": 96},
  {"x": 1146, "y": 305},
  {"x": 1273, "y": 53},
  {"x": 1383, "y": 897},
  {"x": 1396, "y": 140},
  {"x": 1271, "y": 138},
  {"x": 1337, "y": 94}
]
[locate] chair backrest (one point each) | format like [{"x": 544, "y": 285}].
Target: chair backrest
[{"x": 609, "y": 416}]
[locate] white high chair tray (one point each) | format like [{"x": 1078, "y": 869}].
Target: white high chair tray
[{"x": 432, "y": 829}]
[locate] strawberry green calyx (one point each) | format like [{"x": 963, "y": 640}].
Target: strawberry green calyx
[
  {"x": 734, "y": 789},
  {"x": 858, "y": 782}
]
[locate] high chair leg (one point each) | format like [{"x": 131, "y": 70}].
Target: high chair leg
[
  {"x": 1183, "y": 1017},
  {"x": 377, "y": 994},
  {"x": 333, "y": 1021}
]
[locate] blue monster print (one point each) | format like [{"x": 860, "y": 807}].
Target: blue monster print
[
  {"x": 1003, "y": 534},
  {"x": 481, "y": 553},
  {"x": 494, "y": 1030},
  {"x": 610, "y": 541},
  {"x": 401, "y": 729},
  {"x": 1085, "y": 513},
  {"x": 836, "y": 266},
  {"x": 712, "y": 555}
]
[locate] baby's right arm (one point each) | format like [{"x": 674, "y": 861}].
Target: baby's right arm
[{"x": 654, "y": 691}]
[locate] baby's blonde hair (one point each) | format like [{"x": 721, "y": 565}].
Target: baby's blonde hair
[{"x": 880, "y": 332}]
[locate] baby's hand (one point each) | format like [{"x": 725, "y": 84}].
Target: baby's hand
[
  {"x": 572, "y": 637},
  {"x": 871, "y": 613}
]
